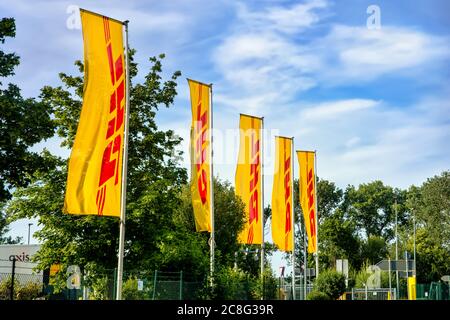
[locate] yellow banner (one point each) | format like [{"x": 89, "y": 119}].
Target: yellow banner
[
  {"x": 248, "y": 178},
  {"x": 200, "y": 155},
  {"x": 95, "y": 166},
  {"x": 282, "y": 206},
  {"x": 307, "y": 196}
]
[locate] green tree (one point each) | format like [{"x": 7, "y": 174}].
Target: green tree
[
  {"x": 337, "y": 236},
  {"x": 432, "y": 260},
  {"x": 229, "y": 219},
  {"x": 430, "y": 203},
  {"x": 329, "y": 197},
  {"x": 5, "y": 229},
  {"x": 23, "y": 123},
  {"x": 374, "y": 249},
  {"x": 338, "y": 240},
  {"x": 331, "y": 283},
  {"x": 371, "y": 207},
  {"x": 154, "y": 183}
]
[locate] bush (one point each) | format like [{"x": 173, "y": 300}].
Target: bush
[
  {"x": 317, "y": 295},
  {"x": 332, "y": 283},
  {"x": 130, "y": 290},
  {"x": 5, "y": 288},
  {"x": 27, "y": 291},
  {"x": 363, "y": 275},
  {"x": 232, "y": 284},
  {"x": 270, "y": 286}
]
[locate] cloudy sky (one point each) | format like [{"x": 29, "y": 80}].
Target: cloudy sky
[{"x": 372, "y": 98}]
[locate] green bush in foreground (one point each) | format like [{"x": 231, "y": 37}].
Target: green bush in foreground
[
  {"x": 331, "y": 283},
  {"x": 317, "y": 295}
]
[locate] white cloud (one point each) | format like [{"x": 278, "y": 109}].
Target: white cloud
[
  {"x": 400, "y": 146},
  {"x": 358, "y": 54},
  {"x": 259, "y": 64},
  {"x": 337, "y": 108},
  {"x": 287, "y": 20},
  {"x": 352, "y": 142},
  {"x": 264, "y": 53}
]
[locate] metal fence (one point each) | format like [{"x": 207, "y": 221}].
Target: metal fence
[
  {"x": 374, "y": 294},
  {"x": 433, "y": 291},
  {"x": 19, "y": 280},
  {"x": 156, "y": 285}
]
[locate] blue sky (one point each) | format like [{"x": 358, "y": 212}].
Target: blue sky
[{"x": 374, "y": 103}]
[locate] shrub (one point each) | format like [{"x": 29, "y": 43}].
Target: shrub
[
  {"x": 130, "y": 290},
  {"x": 28, "y": 291},
  {"x": 232, "y": 284},
  {"x": 5, "y": 288},
  {"x": 317, "y": 295},
  {"x": 331, "y": 283},
  {"x": 270, "y": 286}
]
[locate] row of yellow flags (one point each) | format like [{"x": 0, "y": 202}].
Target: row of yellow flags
[
  {"x": 94, "y": 182},
  {"x": 248, "y": 179}
]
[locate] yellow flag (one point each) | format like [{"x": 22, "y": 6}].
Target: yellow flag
[
  {"x": 282, "y": 206},
  {"x": 95, "y": 166},
  {"x": 248, "y": 178},
  {"x": 307, "y": 196},
  {"x": 200, "y": 155}
]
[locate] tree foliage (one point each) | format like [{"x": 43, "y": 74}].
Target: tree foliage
[
  {"x": 331, "y": 283},
  {"x": 155, "y": 180},
  {"x": 23, "y": 123},
  {"x": 371, "y": 207}
]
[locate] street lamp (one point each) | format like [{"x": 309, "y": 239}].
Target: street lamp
[{"x": 29, "y": 225}]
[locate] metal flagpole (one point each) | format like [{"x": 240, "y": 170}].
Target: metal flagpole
[
  {"x": 396, "y": 248},
  {"x": 212, "y": 242},
  {"x": 317, "y": 214},
  {"x": 305, "y": 253},
  {"x": 293, "y": 219},
  {"x": 305, "y": 261},
  {"x": 390, "y": 283},
  {"x": 262, "y": 201},
  {"x": 123, "y": 201},
  {"x": 414, "y": 221}
]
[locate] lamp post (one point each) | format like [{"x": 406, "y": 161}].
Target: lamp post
[{"x": 29, "y": 225}]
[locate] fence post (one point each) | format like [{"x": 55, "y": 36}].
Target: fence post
[
  {"x": 154, "y": 284},
  {"x": 13, "y": 273},
  {"x": 115, "y": 284},
  {"x": 181, "y": 285}
]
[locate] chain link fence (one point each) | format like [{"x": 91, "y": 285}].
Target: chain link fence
[
  {"x": 433, "y": 291},
  {"x": 19, "y": 280}
]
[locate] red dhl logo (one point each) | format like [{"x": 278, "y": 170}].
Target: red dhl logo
[
  {"x": 111, "y": 154},
  {"x": 312, "y": 216},
  {"x": 287, "y": 198},
  {"x": 254, "y": 174},
  {"x": 201, "y": 125}
]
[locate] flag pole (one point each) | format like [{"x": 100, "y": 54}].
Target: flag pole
[
  {"x": 293, "y": 219},
  {"x": 305, "y": 261},
  {"x": 124, "y": 170},
  {"x": 305, "y": 253},
  {"x": 317, "y": 214},
  {"x": 212, "y": 241},
  {"x": 262, "y": 201}
]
